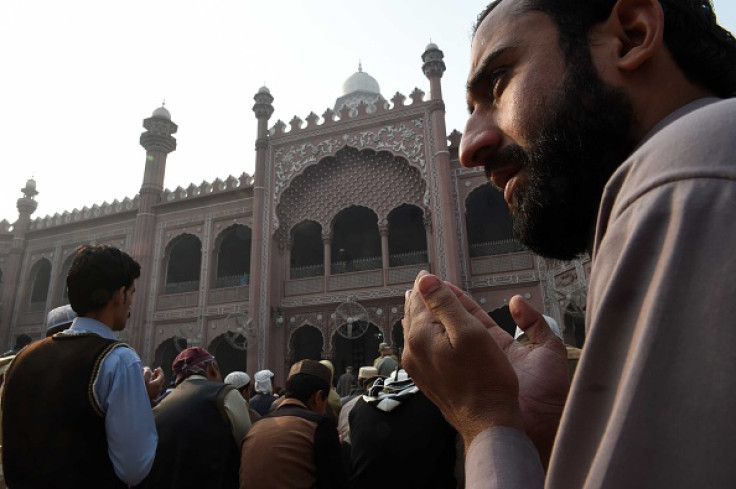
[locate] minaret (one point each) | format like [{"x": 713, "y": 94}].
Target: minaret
[
  {"x": 258, "y": 310},
  {"x": 434, "y": 68},
  {"x": 11, "y": 274},
  {"x": 158, "y": 143}
]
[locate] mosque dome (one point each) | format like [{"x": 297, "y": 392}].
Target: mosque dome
[
  {"x": 162, "y": 112},
  {"x": 359, "y": 88},
  {"x": 264, "y": 89},
  {"x": 430, "y": 46},
  {"x": 360, "y": 81}
]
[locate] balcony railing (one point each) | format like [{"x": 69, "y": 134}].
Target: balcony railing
[
  {"x": 181, "y": 287},
  {"x": 497, "y": 247},
  {"x": 409, "y": 258},
  {"x": 232, "y": 280}
]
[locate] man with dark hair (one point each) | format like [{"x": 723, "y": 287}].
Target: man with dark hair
[
  {"x": 296, "y": 445},
  {"x": 76, "y": 405},
  {"x": 201, "y": 425},
  {"x": 605, "y": 124}
]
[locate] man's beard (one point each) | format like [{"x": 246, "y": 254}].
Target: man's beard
[{"x": 583, "y": 136}]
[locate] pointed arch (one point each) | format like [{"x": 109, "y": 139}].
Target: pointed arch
[
  {"x": 39, "y": 285},
  {"x": 183, "y": 264},
  {"x": 307, "y": 251},
  {"x": 488, "y": 223},
  {"x": 356, "y": 243},
  {"x": 407, "y": 237},
  {"x": 232, "y": 257},
  {"x": 306, "y": 342}
]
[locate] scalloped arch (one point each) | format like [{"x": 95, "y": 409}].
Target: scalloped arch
[{"x": 379, "y": 181}]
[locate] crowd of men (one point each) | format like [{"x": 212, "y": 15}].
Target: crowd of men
[{"x": 610, "y": 126}]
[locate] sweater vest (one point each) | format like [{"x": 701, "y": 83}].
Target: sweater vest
[{"x": 53, "y": 428}]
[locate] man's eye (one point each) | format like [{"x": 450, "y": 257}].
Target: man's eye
[{"x": 496, "y": 79}]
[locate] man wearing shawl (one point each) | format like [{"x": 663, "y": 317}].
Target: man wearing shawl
[
  {"x": 398, "y": 435},
  {"x": 200, "y": 424}
]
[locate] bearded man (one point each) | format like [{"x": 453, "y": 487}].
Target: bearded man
[{"x": 608, "y": 127}]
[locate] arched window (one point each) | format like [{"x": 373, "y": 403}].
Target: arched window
[
  {"x": 233, "y": 257},
  {"x": 230, "y": 349},
  {"x": 166, "y": 352},
  {"x": 407, "y": 238},
  {"x": 356, "y": 244},
  {"x": 306, "y": 342},
  {"x": 62, "y": 278},
  {"x": 356, "y": 352},
  {"x": 488, "y": 223},
  {"x": 41, "y": 279},
  {"x": 183, "y": 265},
  {"x": 307, "y": 251}
]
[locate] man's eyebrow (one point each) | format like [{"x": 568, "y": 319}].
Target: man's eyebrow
[{"x": 480, "y": 72}]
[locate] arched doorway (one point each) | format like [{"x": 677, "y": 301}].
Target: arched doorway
[
  {"x": 230, "y": 350},
  {"x": 165, "y": 355},
  {"x": 357, "y": 351},
  {"x": 397, "y": 338},
  {"x": 306, "y": 342}
]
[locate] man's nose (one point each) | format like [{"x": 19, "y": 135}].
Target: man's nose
[{"x": 481, "y": 139}]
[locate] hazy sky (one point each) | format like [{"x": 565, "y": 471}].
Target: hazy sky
[{"x": 78, "y": 77}]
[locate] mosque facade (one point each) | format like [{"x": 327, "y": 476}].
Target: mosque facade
[{"x": 311, "y": 255}]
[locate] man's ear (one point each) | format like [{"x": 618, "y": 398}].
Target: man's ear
[
  {"x": 118, "y": 296},
  {"x": 638, "y": 28}
]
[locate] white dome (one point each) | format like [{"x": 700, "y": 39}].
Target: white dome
[
  {"x": 360, "y": 82},
  {"x": 162, "y": 112}
]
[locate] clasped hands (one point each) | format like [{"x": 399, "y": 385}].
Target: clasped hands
[{"x": 475, "y": 372}]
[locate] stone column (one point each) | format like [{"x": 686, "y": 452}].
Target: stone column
[
  {"x": 430, "y": 241},
  {"x": 383, "y": 230},
  {"x": 327, "y": 259},
  {"x": 447, "y": 258}
]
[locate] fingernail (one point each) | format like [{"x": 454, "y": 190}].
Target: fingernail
[
  {"x": 407, "y": 294},
  {"x": 429, "y": 284}
]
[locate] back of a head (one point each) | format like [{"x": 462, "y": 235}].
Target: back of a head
[
  {"x": 702, "y": 49},
  {"x": 307, "y": 377},
  {"x": 96, "y": 273},
  {"x": 237, "y": 379},
  {"x": 22, "y": 340},
  {"x": 59, "y": 318}
]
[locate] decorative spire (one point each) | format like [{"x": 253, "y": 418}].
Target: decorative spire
[{"x": 360, "y": 67}]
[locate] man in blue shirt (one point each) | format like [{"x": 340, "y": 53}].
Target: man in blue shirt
[{"x": 76, "y": 406}]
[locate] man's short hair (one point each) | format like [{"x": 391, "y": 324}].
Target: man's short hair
[
  {"x": 703, "y": 50},
  {"x": 302, "y": 386},
  {"x": 96, "y": 273}
]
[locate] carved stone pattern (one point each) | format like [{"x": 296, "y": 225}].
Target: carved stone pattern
[
  {"x": 228, "y": 294},
  {"x": 379, "y": 181},
  {"x": 439, "y": 228},
  {"x": 565, "y": 279},
  {"x": 204, "y": 273},
  {"x": 263, "y": 318},
  {"x": 338, "y": 298},
  {"x": 547, "y": 281},
  {"x": 460, "y": 219},
  {"x": 405, "y": 139},
  {"x": 509, "y": 279},
  {"x": 153, "y": 287}
]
